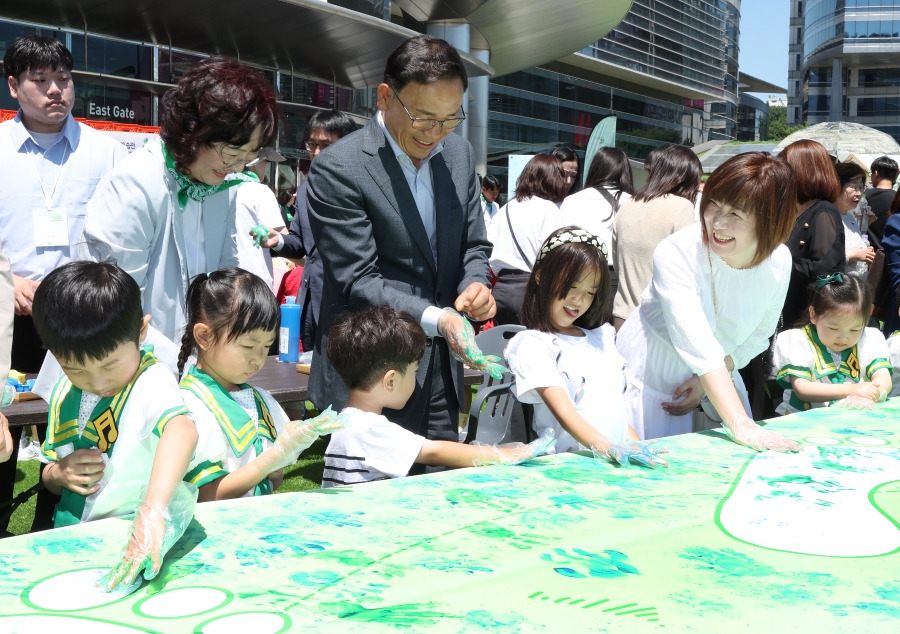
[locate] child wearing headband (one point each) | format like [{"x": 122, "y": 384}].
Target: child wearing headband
[
  {"x": 566, "y": 363},
  {"x": 831, "y": 356}
]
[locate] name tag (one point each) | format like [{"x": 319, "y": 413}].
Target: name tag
[{"x": 51, "y": 228}]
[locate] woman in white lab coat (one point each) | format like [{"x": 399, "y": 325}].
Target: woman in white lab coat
[{"x": 167, "y": 213}]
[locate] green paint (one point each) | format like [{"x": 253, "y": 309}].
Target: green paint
[
  {"x": 636, "y": 611},
  {"x": 409, "y": 615},
  {"x": 172, "y": 571},
  {"x": 726, "y": 562},
  {"x": 353, "y": 558},
  {"x": 619, "y": 607},
  {"x": 590, "y": 605},
  {"x": 531, "y": 596}
]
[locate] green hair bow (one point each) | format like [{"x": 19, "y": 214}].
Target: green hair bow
[{"x": 834, "y": 278}]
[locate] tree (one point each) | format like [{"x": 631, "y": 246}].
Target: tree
[{"x": 778, "y": 127}]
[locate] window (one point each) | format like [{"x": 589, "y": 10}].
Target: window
[
  {"x": 799, "y": 9},
  {"x": 799, "y": 35},
  {"x": 799, "y": 62}
]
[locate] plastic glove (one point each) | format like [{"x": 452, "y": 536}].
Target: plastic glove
[
  {"x": 856, "y": 402},
  {"x": 295, "y": 437},
  {"x": 460, "y": 337},
  {"x": 747, "y": 433},
  {"x": 626, "y": 453},
  {"x": 9, "y": 395},
  {"x": 514, "y": 452},
  {"x": 160, "y": 521},
  {"x": 260, "y": 234}
]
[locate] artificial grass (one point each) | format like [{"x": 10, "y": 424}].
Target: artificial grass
[{"x": 305, "y": 474}]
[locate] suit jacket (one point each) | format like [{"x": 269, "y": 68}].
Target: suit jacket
[
  {"x": 891, "y": 243},
  {"x": 299, "y": 243},
  {"x": 374, "y": 247}
]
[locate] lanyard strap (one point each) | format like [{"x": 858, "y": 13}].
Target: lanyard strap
[{"x": 48, "y": 198}]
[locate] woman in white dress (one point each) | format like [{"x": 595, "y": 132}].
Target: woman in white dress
[
  {"x": 520, "y": 228},
  {"x": 166, "y": 213},
  {"x": 714, "y": 299},
  {"x": 853, "y": 182},
  {"x": 608, "y": 186}
]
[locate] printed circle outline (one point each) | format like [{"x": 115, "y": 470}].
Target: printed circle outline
[{"x": 136, "y": 608}]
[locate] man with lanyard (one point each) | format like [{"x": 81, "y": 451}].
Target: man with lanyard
[{"x": 50, "y": 165}]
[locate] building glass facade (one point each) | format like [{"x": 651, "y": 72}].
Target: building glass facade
[
  {"x": 857, "y": 41},
  {"x": 538, "y": 109},
  {"x": 691, "y": 43}
]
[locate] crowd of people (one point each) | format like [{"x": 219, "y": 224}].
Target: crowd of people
[{"x": 646, "y": 313}]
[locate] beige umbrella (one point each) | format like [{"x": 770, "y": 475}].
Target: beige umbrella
[{"x": 843, "y": 137}]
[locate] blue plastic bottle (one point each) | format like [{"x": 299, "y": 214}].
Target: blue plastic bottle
[{"x": 289, "y": 339}]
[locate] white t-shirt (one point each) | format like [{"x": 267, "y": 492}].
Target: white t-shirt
[
  {"x": 154, "y": 400},
  {"x": 255, "y": 205},
  {"x": 678, "y": 305},
  {"x": 218, "y": 450},
  {"x": 588, "y": 368},
  {"x": 44, "y": 139},
  {"x": 893, "y": 344},
  {"x": 533, "y": 220},
  {"x": 796, "y": 355},
  {"x": 589, "y": 210},
  {"x": 371, "y": 448}
]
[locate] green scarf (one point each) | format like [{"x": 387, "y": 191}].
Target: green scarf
[
  {"x": 101, "y": 430},
  {"x": 195, "y": 190}
]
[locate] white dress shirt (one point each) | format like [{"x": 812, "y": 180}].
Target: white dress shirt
[
  {"x": 421, "y": 185},
  {"x": 67, "y": 172}
]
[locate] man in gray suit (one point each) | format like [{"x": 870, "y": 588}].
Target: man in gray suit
[
  {"x": 394, "y": 209},
  {"x": 325, "y": 127}
]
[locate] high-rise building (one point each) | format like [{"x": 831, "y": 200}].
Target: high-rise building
[
  {"x": 845, "y": 63},
  {"x": 668, "y": 71}
]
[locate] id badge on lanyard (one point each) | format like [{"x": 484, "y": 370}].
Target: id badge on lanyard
[{"x": 51, "y": 227}]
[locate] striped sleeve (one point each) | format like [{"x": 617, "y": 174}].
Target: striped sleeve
[{"x": 204, "y": 473}]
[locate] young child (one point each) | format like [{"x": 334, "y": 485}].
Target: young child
[
  {"x": 232, "y": 321},
  {"x": 376, "y": 352},
  {"x": 566, "y": 363},
  {"x": 893, "y": 344},
  {"x": 833, "y": 356},
  {"x": 117, "y": 423}
]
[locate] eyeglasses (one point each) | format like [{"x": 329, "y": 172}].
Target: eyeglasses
[
  {"x": 854, "y": 187},
  {"x": 230, "y": 161},
  {"x": 428, "y": 124},
  {"x": 312, "y": 145}
]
